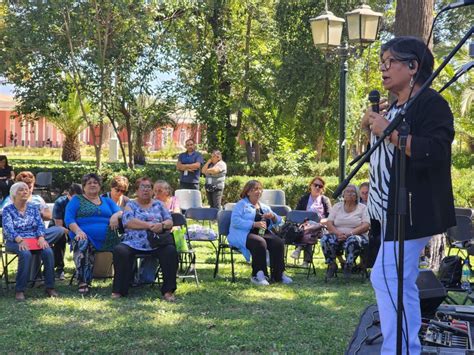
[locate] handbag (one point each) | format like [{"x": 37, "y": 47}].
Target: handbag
[
  {"x": 291, "y": 233},
  {"x": 157, "y": 240},
  {"x": 312, "y": 233},
  {"x": 210, "y": 187}
]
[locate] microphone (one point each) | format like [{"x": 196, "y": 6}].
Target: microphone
[
  {"x": 457, "y": 4},
  {"x": 374, "y": 98}
]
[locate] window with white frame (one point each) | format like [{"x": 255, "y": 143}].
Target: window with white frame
[{"x": 166, "y": 136}]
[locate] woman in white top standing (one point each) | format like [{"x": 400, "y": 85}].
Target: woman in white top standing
[
  {"x": 215, "y": 170},
  {"x": 347, "y": 224}
]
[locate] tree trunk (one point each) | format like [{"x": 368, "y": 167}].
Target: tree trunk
[
  {"x": 248, "y": 149},
  {"x": 138, "y": 152},
  {"x": 257, "y": 152},
  {"x": 414, "y": 18},
  {"x": 71, "y": 149}
]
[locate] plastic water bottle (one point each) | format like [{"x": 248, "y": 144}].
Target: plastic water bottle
[{"x": 466, "y": 274}]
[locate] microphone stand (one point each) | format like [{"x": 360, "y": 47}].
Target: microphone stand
[
  {"x": 456, "y": 76},
  {"x": 400, "y": 206}
]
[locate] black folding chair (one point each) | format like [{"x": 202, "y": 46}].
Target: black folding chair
[
  {"x": 223, "y": 223},
  {"x": 44, "y": 182},
  {"x": 187, "y": 259},
  {"x": 460, "y": 235},
  {"x": 281, "y": 210},
  {"x": 297, "y": 216},
  {"x": 35, "y": 268},
  {"x": 203, "y": 216}
]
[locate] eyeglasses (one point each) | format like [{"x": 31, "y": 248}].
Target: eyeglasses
[
  {"x": 145, "y": 187},
  {"x": 350, "y": 192},
  {"x": 318, "y": 185},
  {"x": 387, "y": 63}
]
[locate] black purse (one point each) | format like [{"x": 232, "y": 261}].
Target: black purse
[{"x": 157, "y": 240}]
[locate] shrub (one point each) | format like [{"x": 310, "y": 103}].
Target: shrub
[{"x": 294, "y": 186}]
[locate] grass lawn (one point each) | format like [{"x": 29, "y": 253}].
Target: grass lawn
[{"x": 309, "y": 316}]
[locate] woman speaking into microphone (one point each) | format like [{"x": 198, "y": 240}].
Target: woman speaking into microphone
[{"x": 406, "y": 63}]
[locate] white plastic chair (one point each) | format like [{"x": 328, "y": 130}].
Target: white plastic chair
[
  {"x": 273, "y": 197},
  {"x": 188, "y": 199}
]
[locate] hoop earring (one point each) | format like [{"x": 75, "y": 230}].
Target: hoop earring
[{"x": 412, "y": 82}]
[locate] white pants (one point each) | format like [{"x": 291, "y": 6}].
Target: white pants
[{"x": 386, "y": 262}]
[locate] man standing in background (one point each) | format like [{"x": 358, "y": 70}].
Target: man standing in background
[{"x": 189, "y": 164}]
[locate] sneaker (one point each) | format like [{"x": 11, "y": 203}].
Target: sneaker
[
  {"x": 286, "y": 279},
  {"x": 332, "y": 268},
  {"x": 60, "y": 275},
  {"x": 296, "y": 253},
  {"x": 305, "y": 264},
  {"x": 259, "y": 279}
]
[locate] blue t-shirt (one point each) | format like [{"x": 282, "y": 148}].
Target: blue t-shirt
[
  {"x": 192, "y": 176},
  {"x": 59, "y": 209}
]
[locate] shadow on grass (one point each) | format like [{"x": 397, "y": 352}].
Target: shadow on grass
[{"x": 309, "y": 316}]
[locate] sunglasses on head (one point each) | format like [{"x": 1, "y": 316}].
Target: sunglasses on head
[{"x": 318, "y": 185}]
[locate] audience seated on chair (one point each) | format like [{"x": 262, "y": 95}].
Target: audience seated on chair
[
  {"x": 7, "y": 176},
  {"x": 24, "y": 232},
  {"x": 59, "y": 210},
  {"x": 142, "y": 218},
  {"x": 313, "y": 201},
  {"x": 164, "y": 193},
  {"x": 347, "y": 224},
  {"x": 55, "y": 235},
  {"x": 118, "y": 190},
  {"x": 92, "y": 220},
  {"x": 250, "y": 232},
  {"x": 364, "y": 192}
]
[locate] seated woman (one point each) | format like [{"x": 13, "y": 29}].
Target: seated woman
[
  {"x": 55, "y": 235},
  {"x": 7, "y": 176},
  {"x": 164, "y": 193},
  {"x": 313, "y": 201},
  {"x": 92, "y": 220},
  {"x": 141, "y": 216},
  {"x": 118, "y": 189},
  {"x": 24, "y": 231},
  {"x": 250, "y": 232},
  {"x": 347, "y": 224}
]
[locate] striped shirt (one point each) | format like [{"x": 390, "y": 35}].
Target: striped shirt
[{"x": 380, "y": 164}]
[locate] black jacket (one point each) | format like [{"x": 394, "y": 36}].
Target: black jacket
[
  {"x": 429, "y": 198},
  {"x": 303, "y": 203}
]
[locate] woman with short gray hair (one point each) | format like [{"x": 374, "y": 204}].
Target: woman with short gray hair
[
  {"x": 215, "y": 170},
  {"x": 347, "y": 224},
  {"x": 24, "y": 232}
]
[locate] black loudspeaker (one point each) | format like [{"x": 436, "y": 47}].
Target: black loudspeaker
[{"x": 432, "y": 292}]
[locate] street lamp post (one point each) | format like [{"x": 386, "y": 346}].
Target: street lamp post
[{"x": 362, "y": 28}]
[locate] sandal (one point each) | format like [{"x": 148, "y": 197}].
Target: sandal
[
  {"x": 169, "y": 297},
  {"x": 83, "y": 289}
]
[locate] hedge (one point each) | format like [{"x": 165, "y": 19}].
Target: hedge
[{"x": 294, "y": 186}]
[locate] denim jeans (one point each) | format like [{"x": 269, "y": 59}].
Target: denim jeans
[
  {"x": 24, "y": 264},
  {"x": 56, "y": 238}
]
